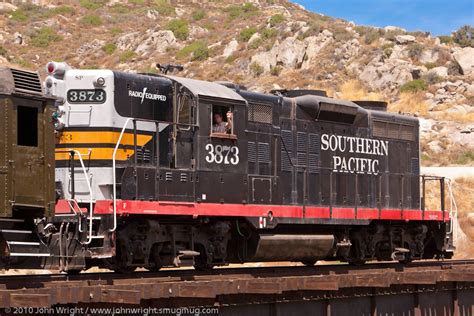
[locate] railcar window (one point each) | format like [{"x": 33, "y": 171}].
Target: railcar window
[
  {"x": 222, "y": 120},
  {"x": 27, "y": 126},
  {"x": 184, "y": 111}
]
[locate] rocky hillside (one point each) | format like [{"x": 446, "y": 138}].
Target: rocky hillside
[{"x": 263, "y": 45}]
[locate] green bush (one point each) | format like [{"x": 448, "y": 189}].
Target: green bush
[
  {"x": 465, "y": 158},
  {"x": 119, "y": 8},
  {"x": 256, "y": 69},
  {"x": 247, "y": 33},
  {"x": 109, "y": 48},
  {"x": 93, "y": 20},
  {"x": 415, "y": 50},
  {"x": 179, "y": 28},
  {"x": 269, "y": 33},
  {"x": 430, "y": 65},
  {"x": 276, "y": 19},
  {"x": 92, "y": 4},
  {"x": 19, "y": 15},
  {"x": 414, "y": 86},
  {"x": 199, "y": 15},
  {"x": 372, "y": 35},
  {"x": 3, "y": 51},
  {"x": 445, "y": 39},
  {"x": 198, "y": 51},
  {"x": 241, "y": 11},
  {"x": 63, "y": 10},
  {"x": 116, "y": 31},
  {"x": 164, "y": 8},
  {"x": 255, "y": 43},
  {"x": 127, "y": 56},
  {"x": 275, "y": 70},
  {"x": 464, "y": 36},
  {"x": 44, "y": 36}
]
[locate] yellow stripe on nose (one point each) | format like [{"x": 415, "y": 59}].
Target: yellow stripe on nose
[
  {"x": 102, "y": 137},
  {"x": 94, "y": 153}
]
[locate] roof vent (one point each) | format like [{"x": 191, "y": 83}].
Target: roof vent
[
  {"x": 372, "y": 105},
  {"x": 26, "y": 81},
  {"x": 298, "y": 93}
]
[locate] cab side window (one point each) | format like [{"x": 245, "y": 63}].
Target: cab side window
[{"x": 222, "y": 120}]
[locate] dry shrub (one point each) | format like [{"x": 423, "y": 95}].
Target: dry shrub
[
  {"x": 414, "y": 103},
  {"x": 354, "y": 90}
]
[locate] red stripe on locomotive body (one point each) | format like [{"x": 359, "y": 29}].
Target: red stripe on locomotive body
[
  {"x": 343, "y": 213},
  {"x": 317, "y": 212},
  {"x": 367, "y": 213},
  {"x": 129, "y": 207}
]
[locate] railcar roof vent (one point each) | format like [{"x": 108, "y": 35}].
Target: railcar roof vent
[
  {"x": 298, "y": 93},
  {"x": 26, "y": 81},
  {"x": 372, "y": 105}
]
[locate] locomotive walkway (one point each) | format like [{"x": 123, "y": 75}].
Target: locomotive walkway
[{"x": 422, "y": 288}]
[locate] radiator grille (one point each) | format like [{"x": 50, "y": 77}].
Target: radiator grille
[
  {"x": 26, "y": 81},
  {"x": 260, "y": 113}
]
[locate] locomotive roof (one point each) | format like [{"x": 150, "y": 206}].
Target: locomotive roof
[{"x": 208, "y": 89}]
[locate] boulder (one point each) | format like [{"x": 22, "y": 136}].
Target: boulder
[
  {"x": 7, "y": 7},
  {"x": 429, "y": 56},
  {"x": 399, "y": 52},
  {"x": 470, "y": 89},
  {"x": 405, "y": 39},
  {"x": 314, "y": 44},
  {"x": 290, "y": 53},
  {"x": 439, "y": 71},
  {"x": 156, "y": 41},
  {"x": 231, "y": 48},
  {"x": 265, "y": 59},
  {"x": 387, "y": 76},
  {"x": 93, "y": 48},
  {"x": 127, "y": 41},
  {"x": 18, "y": 38},
  {"x": 465, "y": 58},
  {"x": 435, "y": 147}
]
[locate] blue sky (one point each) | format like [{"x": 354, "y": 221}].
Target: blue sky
[{"x": 435, "y": 16}]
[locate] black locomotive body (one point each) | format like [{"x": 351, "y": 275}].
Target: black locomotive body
[{"x": 145, "y": 180}]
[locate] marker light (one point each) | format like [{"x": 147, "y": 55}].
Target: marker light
[{"x": 57, "y": 69}]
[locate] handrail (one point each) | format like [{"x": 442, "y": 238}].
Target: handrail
[
  {"x": 453, "y": 208},
  {"x": 89, "y": 238},
  {"x": 114, "y": 176}
]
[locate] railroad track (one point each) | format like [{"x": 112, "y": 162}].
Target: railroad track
[{"x": 135, "y": 288}]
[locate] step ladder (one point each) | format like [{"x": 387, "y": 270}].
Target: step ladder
[{"x": 21, "y": 240}]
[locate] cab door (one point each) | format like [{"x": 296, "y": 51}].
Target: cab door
[
  {"x": 222, "y": 155},
  {"x": 28, "y": 154}
]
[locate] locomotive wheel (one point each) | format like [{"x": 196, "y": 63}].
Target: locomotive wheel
[
  {"x": 309, "y": 263},
  {"x": 200, "y": 262}
]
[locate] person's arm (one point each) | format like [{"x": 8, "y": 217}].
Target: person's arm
[{"x": 229, "y": 122}]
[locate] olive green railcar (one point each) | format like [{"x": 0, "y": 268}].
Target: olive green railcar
[{"x": 26, "y": 145}]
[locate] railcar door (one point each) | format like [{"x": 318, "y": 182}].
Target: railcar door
[{"x": 31, "y": 180}]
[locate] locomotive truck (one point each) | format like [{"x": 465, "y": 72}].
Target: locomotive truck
[{"x": 142, "y": 179}]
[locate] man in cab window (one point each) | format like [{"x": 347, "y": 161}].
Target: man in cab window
[{"x": 220, "y": 126}]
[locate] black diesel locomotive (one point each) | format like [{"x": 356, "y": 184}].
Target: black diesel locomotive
[{"x": 158, "y": 170}]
